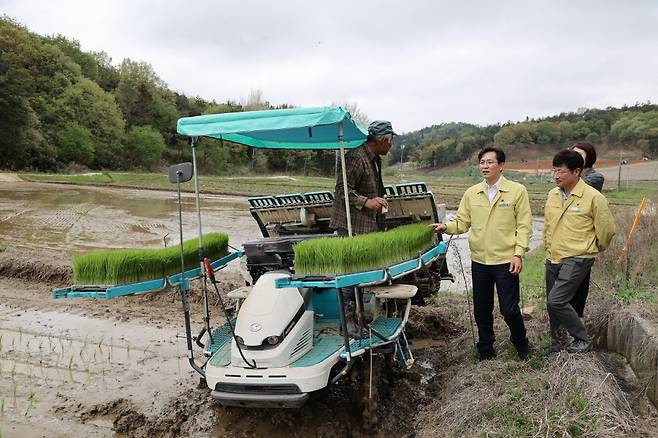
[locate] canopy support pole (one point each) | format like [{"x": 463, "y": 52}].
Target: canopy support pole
[
  {"x": 344, "y": 171},
  {"x": 202, "y": 250}
]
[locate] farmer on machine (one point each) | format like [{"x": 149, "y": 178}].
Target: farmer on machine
[
  {"x": 497, "y": 211},
  {"x": 363, "y": 167},
  {"x": 577, "y": 226}
]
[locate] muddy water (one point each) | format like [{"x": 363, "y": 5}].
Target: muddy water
[
  {"x": 72, "y": 219},
  {"x": 73, "y": 363}
]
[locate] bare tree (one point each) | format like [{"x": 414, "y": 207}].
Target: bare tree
[
  {"x": 255, "y": 101},
  {"x": 355, "y": 111}
]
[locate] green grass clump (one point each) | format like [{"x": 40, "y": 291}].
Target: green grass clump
[
  {"x": 533, "y": 284},
  {"x": 133, "y": 265},
  {"x": 341, "y": 255}
]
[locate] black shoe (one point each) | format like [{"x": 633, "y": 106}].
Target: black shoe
[
  {"x": 488, "y": 354},
  {"x": 554, "y": 350},
  {"x": 580, "y": 346},
  {"x": 525, "y": 352}
]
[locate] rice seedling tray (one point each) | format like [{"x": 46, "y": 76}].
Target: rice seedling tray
[
  {"x": 365, "y": 278},
  {"x": 113, "y": 291}
]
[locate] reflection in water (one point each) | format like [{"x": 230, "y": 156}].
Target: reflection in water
[{"x": 73, "y": 219}]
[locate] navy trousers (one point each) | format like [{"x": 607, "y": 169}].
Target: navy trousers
[{"x": 485, "y": 277}]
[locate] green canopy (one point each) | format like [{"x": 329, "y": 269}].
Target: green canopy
[{"x": 295, "y": 128}]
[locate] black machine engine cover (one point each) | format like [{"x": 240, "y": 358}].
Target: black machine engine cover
[{"x": 273, "y": 253}]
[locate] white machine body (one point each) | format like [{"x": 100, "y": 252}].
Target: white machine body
[{"x": 275, "y": 314}]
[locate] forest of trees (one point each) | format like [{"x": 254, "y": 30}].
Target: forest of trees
[
  {"x": 62, "y": 108},
  {"x": 449, "y": 143}
]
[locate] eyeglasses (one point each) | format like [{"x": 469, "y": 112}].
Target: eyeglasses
[
  {"x": 560, "y": 171},
  {"x": 488, "y": 162}
]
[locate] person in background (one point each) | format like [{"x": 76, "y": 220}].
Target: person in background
[
  {"x": 589, "y": 175},
  {"x": 594, "y": 179},
  {"x": 497, "y": 211},
  {"x": 578, "y": 226}
]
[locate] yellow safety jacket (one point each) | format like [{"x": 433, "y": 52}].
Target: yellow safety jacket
[
  {"x": 499, "y": 230},
  {"x": 582, "y": 227}
]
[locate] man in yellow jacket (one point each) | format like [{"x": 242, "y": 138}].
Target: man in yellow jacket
[
  {"x": 497, "y": 211},
  {"x": 577, "y": 226}
]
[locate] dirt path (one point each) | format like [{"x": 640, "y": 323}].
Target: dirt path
[
  {"x": 9, "y": 177},
  {"x": 643, "y": 171}
]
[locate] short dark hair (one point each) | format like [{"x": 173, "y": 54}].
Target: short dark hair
[
  {"x": 570, "y": 158},
  {"x": 590, "y": 152},
  {"x": 500, "y": 155}
]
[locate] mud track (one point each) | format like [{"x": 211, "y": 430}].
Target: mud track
[
  {"x": 83, "y": 367},
  {"x": 117, "y": 368}
]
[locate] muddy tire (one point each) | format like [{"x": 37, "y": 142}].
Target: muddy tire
[
  {"x": 368, "y": 399},
  {"x": 427, "y": 280}
]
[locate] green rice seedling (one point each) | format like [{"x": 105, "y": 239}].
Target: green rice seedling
[
  {"x": 150, "y": 344},
  {"x": 31, "y": 400},
  {"x": 30, "y": 372},
  {"x": 100, "y": 345},
  {"x": 134, "y": 265},
  {"x": 2, "y": 407},
  {"x": 341, "y": 255},
  {"x": 13, "y": 392}
]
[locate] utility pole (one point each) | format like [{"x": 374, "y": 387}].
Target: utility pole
[
  {"x": 537, "y": 170},
  {"x": 619, "y": 175},
  {"x": 401, "y": 163}
]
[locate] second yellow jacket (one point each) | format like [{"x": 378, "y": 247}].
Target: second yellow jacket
[
  {"x": 499, "y": 230},
  {"x": 582, "y": 227}
]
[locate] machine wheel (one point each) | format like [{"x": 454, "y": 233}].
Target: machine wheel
[
  {"x": 428, "y": 282},
  {"x": 367, "y": 399}
]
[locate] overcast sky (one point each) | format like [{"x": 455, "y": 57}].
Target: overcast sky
[{"x": 416, "y": 63}]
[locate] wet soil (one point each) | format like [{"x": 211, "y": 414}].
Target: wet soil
[
  {"x": 115, "y": 368},
  {"x": 108, "y": 368},
  {"x": 70, "y": 219}
]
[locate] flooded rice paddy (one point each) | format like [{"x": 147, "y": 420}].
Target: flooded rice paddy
[{"x": 72, "y": 219}]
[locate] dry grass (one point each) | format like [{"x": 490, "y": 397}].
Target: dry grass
[
  {"x": 636, "y": 278},
  {"x": 567, "y": 395}
]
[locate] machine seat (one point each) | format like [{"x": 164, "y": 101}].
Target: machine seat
[{"x": 399, "y": 291}]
